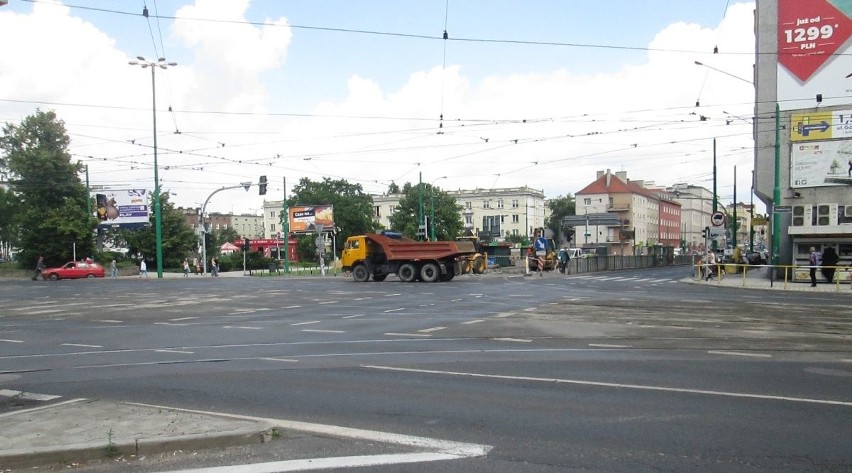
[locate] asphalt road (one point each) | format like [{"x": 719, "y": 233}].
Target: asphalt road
[{"x": 630, "y": 371}]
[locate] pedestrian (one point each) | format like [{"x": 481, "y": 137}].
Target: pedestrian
[
  {"x": 214, "y": 267},
  {"x": 563, "y": 261},
  {"x": 143, "y": 269},
  {"x": 813, "y": 263},
  {"x": 829, "y": 263},
  {"x": 711, "y": 265},
  {"x": 113, "y": 269},
  {"x": 850, "y": 168},
  {"x": 39, "y": 268},
  {"x": 185, "y": 268}
]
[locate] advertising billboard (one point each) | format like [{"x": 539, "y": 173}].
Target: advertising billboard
[
  {"x": 820, "y": 164},
  {"x": 814, "y": 53},
  {"x": 121, "y": 207},
  {"x": 305, "y": 219},
  {"x": 819, "y": 126}
]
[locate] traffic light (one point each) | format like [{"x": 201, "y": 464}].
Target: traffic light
[
  {"x": 262, "y": 186},
  {"x": 421, "y": 232},
  {"x": 706, "y": 232},
  {"x": 246, "y": 245}
]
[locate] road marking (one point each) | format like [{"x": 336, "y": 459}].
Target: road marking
[
  {"x": 734, "y": 353},
  {"x": 393, "y": 295},
  {"x": 292, "y": 307},
  {"x": 171, "y": 324},
  {"x": 278, "y": 359},
  {"x": 392, "y": 334},
  {"x": 43, "y": 311},
  {"x": 327, "y": 302},
  {"x": 307, "y": 323},
  {"x": 81, "y": 345},
  {"x": 27, "y": 396},
  {"x": 394, "y": 310},
  {"x": 428, "y": 449},
  {"x": 10, "y": 341},
  {"x": 503, "y": 315},
  {"x": 182, "y": 319},
  {"x": 362, "y": 298},
  {"x": 352, "y": 316},
  {"x": 108, "y": 321},
  {"x": 243, "y": 327},
  {"x": 433, "y": 329},
  {"x": 470, "y": 322},
  {"x": 174, "y": 351},
  {"x": 507, "y": 339},
  {"x": 768, "y": 397},
  {"x": 323, "y": 331},
  {"x": 604, "y": 345}
]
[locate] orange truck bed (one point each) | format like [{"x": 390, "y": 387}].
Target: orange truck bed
[{"x": 396, "y": 249}]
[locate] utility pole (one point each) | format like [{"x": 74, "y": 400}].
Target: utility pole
[
  {"x": 285, "y": 229},
  {"x": 714, "y": 243},
  {"x": 420, "y": 207},
  {"x": 735, "y": 223}
]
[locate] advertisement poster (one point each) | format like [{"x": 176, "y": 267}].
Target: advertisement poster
[
  {"x": 820, "y": 164},
  {"x": 121, "y": 207},
  {"x": 305, "y": 219},
  {"x": 820, "y": 126},
  {"x": 814, "y": 53}
]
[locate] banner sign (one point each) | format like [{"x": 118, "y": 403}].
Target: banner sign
[
  {"x": 121, "y": 207},
  {"x": 820, "y": 126},
  {"x": 305, "y": 219},
  {"x": 821, "y": 164}
]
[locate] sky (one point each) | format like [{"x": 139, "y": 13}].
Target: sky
[{"x": 540, "y": 94}]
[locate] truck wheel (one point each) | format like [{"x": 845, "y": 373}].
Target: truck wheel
[
  {"x": 430, "y": 272},
  {"x": 379, "y": 277},
  {"x": 360, "y": 273},
  {"x": 449, "y": 275},
  {"x": 407, "y": 272}
]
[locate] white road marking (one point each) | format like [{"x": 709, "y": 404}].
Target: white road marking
[
  {"x": 394, "y": 310},
  {"x": 182, "y": 319},
  {"x": 507, "y": 339},
  {"x": 435, "y": 449},
  {"x": 307, "y": 323},
  {"x": 43, "y": 311},
  {"x": 328, "y": 302},
  {"x": 470, "y": 322},
  {"x": 392, "y": 334},
  {"x": 81, "y": 345},
  {"x": 109, "y": 321},
  {"x": 243, "y": 327},
  {"x": 174, "y": 351},
  {"x": 10, "y": 341},
  {"x": 768, "y": 397},
  {"x": 362, "y": 298},
  {"x": 171, "y": 324},
  {"x": 734, "y": 353},
  {"x": 323, "y": 331},
  {"x": 393, "y": 295},
  {"x": 433, "y": 329},
  {"x": 292, "y": 307},
  {"x": 604, "y": 345},
  {"x": 27, "y": 396},
  {"x": 278, "y": 359},
  {"x": 503, "y": 315},
  {"x": 352, "y": 316}
]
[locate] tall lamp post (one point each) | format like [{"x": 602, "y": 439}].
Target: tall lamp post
[{"x": 158, "y": 211}]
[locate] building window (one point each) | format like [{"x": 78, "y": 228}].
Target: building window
[
  {"x": 272, "y": 213},
  {"x": 376, "y": 211},
  {"x": 515, "y": 203},
  {"x": 500, "y": 203},
  {"x": 272, "y": 227},
  {"x": 468, "y": 205},
  {"x": 468, "y": 220},
  {"x": 486, "y": 204},
  {"x": 516, "y": 218},
  {"x": 392, "y": 209},
  {"x": 587, "y": 201}
]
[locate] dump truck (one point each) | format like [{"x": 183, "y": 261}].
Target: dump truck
[{"x": 378, "y": 255}]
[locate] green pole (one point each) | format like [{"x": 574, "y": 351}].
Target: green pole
[
  {"x": 285, "y": 229},
  {"x": 420, "y": 207},
  {"x": 735, "y": 224},
  {"x": 776, "y": 192},
  {"x": 158, "y": 210},
  {"x": 432, "y": 217},
  {"x": 713, "y": 243},
  {"x": 751, "y": 217},
  {"x": 88, "y": 195}
]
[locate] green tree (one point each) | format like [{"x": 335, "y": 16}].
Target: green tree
[
  {"x": 353, "y": 209},
  {"x": 448, "y": 223},
  {"x": 560, "y": 207},
  {"x": 227, "y": 235},
  {"x": 179, "y": 241},
  {"x": 393, "y": 188},
  {"x": 9, "y": 205},
  {"x": 52, "y": 219}
]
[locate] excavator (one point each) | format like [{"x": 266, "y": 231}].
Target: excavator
[{"x": 476, "y": 263}]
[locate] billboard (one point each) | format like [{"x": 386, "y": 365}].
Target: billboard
[
  {"x": 814, "y": 53},
  {"x": 305, "y": 219},
  {"x": 121, "y": 207},
  {"x": 819, "y": 126},
  {"x": 820, "y": 164}
]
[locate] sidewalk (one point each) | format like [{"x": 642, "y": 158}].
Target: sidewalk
[
  {"x": 758, "y": 279},
  {"x": 81, "y": 430}
]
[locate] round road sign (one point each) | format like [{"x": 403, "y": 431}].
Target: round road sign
[{"x": 717, "y": 219}]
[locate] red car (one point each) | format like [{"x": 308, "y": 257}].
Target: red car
[{"x": 74, "y": 270}]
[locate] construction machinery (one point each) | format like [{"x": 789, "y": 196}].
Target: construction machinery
[{"x": 377, "y": 255}]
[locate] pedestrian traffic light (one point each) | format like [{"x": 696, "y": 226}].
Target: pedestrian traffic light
[
  {"x": 246, "y": 245},
  {"x": 707, "y": 232},
  {"x": 262, "y": 186},
  {"x": 421, "y": 232}
]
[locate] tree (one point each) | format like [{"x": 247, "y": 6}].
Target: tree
[
  {"x": 353, "y": 209},
  {"x": 393, "y": 188},
  {"x": 448, "y": 223},
  {"x": 52, "y": 219},
  {"x": 179, "y": 241},
  {"x": 9, "y": 206},
  {"x": 226, "y": 235},
  {"x": 560, "y": 207}
]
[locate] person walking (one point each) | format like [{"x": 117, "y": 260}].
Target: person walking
[
  {"x": 143, "y": 269},
  {"x": 813, "y": 262},
  {"x": 829, "y": 261},
  {"x": 39, "y": 268},
  {"x": 185, "y": 268},
  {"x": 711, "y": 265},
  {"x": 214, "y": 267},
  {"x": 113, "y": 269}
]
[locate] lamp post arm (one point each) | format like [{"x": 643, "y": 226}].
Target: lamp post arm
[{"x": 204, "y": 225}]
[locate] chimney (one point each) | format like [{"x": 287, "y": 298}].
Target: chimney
[
  {"x": 599, "y": 175},
  {"x": 608, "y": 177},
  {"x": 621, "y": 175}
]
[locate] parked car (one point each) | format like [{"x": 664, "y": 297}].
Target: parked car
[{"x": 74, "y": 270}]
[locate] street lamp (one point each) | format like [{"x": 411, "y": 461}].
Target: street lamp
[
  {"x": 432, "y": 203},
  {"x": 158, "y": 217}
]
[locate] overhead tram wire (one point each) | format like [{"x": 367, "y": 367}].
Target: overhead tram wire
[{"x": 162, "y": 53}]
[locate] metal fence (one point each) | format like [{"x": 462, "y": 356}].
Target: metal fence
[{"x": 611, "y": 263}]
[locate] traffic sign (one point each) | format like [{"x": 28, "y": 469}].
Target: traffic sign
[
  {"x": 717, "y": 219},
  {"x": 782, "y": 209}
]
